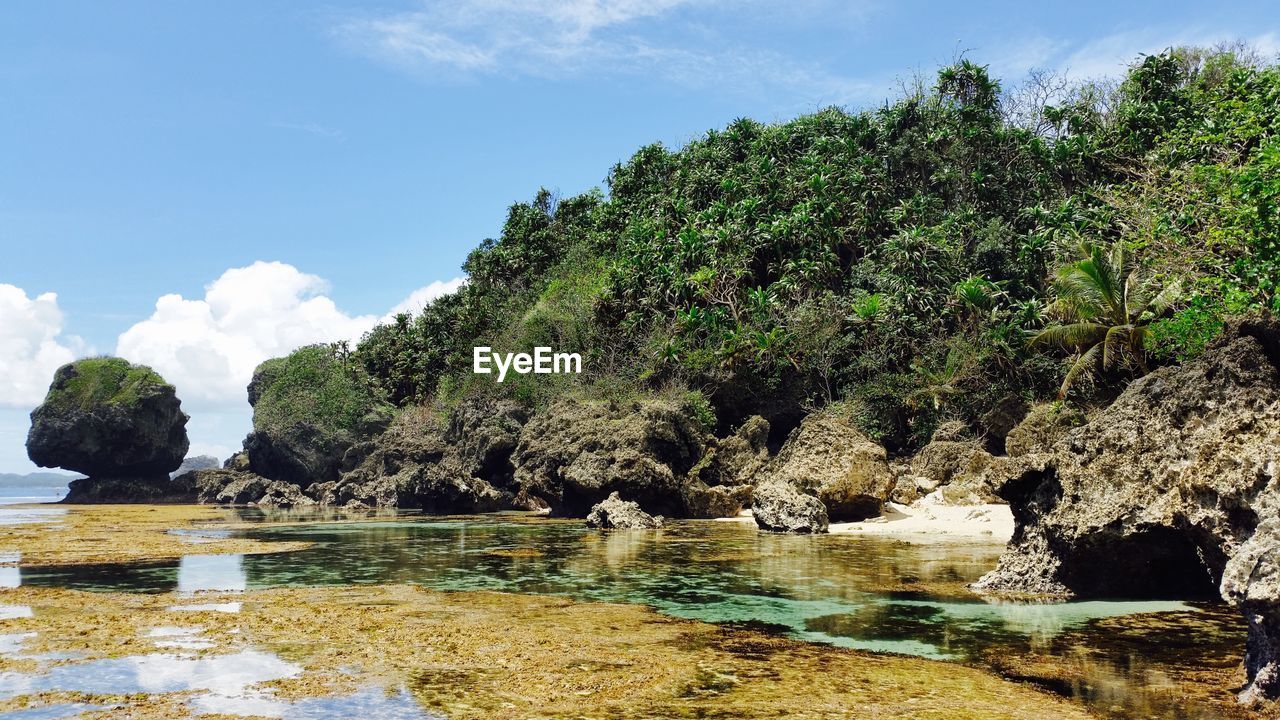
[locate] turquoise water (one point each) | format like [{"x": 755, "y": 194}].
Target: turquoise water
[{"x": 861, "y": 592}]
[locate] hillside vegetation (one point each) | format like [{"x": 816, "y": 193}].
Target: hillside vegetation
[{"x": 915, "y": 263}]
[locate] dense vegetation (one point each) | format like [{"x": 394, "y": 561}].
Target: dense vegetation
[
  {"x": 899, "y": 260},
  {"x": 319, "y": 384},
  {"x": 101, "y": 381}
]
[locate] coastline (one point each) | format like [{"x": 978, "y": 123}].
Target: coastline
[{"x": 925, "y": 522}]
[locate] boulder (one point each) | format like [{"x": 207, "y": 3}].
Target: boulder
[
  {"x": 614, "y": 512},
  {"x": 578, "y": 452},
  {"x": 1000, "y": 419},
  {"x": 830, "y": 458},
  {"x": 714, "y": 501},
  {"x": 1170, "y": 491},
  {"x": 309, "y": 408},
  {"x": 959, "y": 472},
  {"x": 110, "y": 419},
  {"x": 1043, "y": 426},
  {"x": 737, "y": 459},
  {"x": 778, "y": 506}
]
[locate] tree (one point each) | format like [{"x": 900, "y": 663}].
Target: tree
[{"x": 1105, "y": 306}]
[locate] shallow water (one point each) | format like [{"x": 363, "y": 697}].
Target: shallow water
[{"x": 868, "y": 593}]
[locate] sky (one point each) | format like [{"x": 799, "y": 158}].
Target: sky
[{"x": 201, "y": 186}]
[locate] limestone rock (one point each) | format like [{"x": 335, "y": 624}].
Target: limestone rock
[
  {"x": 108, "y": 418},
  {"x": 1172, "y": 490},
  {"x": 614, "y": 512},
  {"x": 737, "y": 459},
  {"x": 1043, "y": 426},
  {"x": 483, "y": 434},
  {"x": 778, "y": 506},
  {"x": 577, "y": 453},
  {"x": 828, "y": 457},
  {"x": 714, "y": 501}
]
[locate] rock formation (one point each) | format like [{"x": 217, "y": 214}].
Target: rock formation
[
  {"x": 1170, "y": 491},
  {"x": 828, "y": 457},
  {"x": 119, "y": 424},
  {"x": 577, "y": 452},
  {"x": 778, "y": 506},
  {"x": 614, "y": 512}
]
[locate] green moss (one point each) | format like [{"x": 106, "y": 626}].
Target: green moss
[
  {"x": 317, "y": 384},
  {"x": 102, "y": 381}
]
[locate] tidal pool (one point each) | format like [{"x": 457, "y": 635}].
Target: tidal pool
[{"x": 868, "y": 593}]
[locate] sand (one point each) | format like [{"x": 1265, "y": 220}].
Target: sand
[{"x": 925, "y": 521}]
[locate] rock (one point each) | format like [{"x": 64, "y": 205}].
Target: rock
[
  {"x": 208, "y": 483},
  {"x": 778, "y": 506},
  {"x": 830, "y": 458},
  {"x": 238, "y": 488},
  {"x": 99, "y": 490},
  {"x": 958, "y": 471},
  {"x": 614, "y": 512},
  {"x": 483, "y": 434},
  {"x": 1170, "y": 491},
  {"x": 951, "y": 431},
  {"x": 110, "y": 420},
  {"x": 284, "y": 495},
  {"x": 300, "y": 453},
  {"x": 239, "y": 461},
  {"x": 196, "y": 462},
  {"x": 578, "y": 452},
  {"x": 737, "y": 459},
  {"x": 1043, "y": 426},
  {"x": 309, "y": 408},
  {"x": 1000, "y": 419},
  {"x": 718, "y": 501}
]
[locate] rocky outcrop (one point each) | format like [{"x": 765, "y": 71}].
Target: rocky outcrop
[
  {"x": 616, "y": 513},
  {"x": 830, "y": 458},
  {"x": 578, "y": 452},
  {"x": 1170, "y": 491},
  {"x": 955, "y": 473},
  {"x": 483, "y": 434},
  {"x": 309, "y": 408},
  {"x": 778, "y": 506},
  {"x": 120, "y": 424},
  {"x": 196, "y": 462},
  {"x": 1043, "y": 427},
  {"x": 720, "y": 484},
  {"x": 412, "y": 465}
]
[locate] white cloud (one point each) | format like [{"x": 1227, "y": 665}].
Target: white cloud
[
  {"x": 424, "y": 296},
  {"x": 32, "y": 346},
  {"x": 209, "y": 347},
  {"x": 1110, "y": 55},
  {"x": 571, "y": 37}
]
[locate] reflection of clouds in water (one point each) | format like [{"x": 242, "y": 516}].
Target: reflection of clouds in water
[
  {"x": 227, "y": 607},
  {"x": 10, "y": 576},
  {"x": 1045, "y": 620},
  {"x": 13, "y": 612},
  {"x": 11, "y": 643},
  {"x": 226, "y": 675},
  {"x": 29, "y": 516},
  {"x": 211, "y": 572},
  {"x": 51, "y": 712}
]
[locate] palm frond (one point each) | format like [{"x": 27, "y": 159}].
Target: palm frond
[
  {"x": 1075, "y": 335},
  {"x": 1081, "y": 365}
]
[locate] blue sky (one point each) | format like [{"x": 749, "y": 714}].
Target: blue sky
[{"x": 153, "y": 152}]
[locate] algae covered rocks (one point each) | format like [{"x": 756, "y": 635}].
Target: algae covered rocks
[{"x": 118, "y": 423}]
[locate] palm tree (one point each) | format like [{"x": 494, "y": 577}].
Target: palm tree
[{"x": 1106, "y": 307}]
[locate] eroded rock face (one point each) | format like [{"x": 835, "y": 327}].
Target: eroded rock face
[
  {"x": 614, "y": 512},
  {"x": 301, "y": 453},
  {"x": 576, "y": 453},
  {"x": 108, "y": 418},
  {"x": 959, "y": 472},
  {"x": 1172, "y": 490},
  {"x": 778, "y": 506},
  {"x": 483, "y": 434},
  {"x": 1043, "y": 426},
  {"x": 828, "y": 457}
]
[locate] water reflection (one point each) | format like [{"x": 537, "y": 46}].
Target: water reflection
[{"x": 211, "y": 572}]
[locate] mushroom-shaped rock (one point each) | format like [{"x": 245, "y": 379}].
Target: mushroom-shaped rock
[{"x": 110, "y": 420}]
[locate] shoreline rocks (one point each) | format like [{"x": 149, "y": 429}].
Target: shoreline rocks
[{"x": 1171, "y": 491}]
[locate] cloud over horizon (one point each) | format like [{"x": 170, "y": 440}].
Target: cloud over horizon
[{"x": 32, "y": 346}]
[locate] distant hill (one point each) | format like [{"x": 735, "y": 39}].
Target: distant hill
[{"x": 36, "y": 479}]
